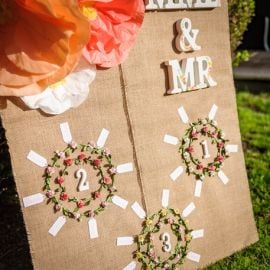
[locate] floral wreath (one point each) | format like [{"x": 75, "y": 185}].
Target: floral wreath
[
  {"x": 145, "y": 252},
  {"x": 99, "y": 159},
  {"x": 208, "y": 128}
]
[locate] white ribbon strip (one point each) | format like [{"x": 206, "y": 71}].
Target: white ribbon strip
[
  {"x": 192, "y": 256},
  {"x": 223, "y": 177},
  {"x": 231, "y": 148},
  {"x": 93, "y": 230},
  {"x": 124, "y": 168},
  {"x": 130, "y": 266},
  {"x": 119, "y": 202},
  {"x": 37, "y": 159},
  {"x": 165, "y": 197},
  {"x": 66, "y": 133},
  {"x": 138, "y": 210},
  {"x": 170, "y": 139},
  {"x": 197, "y": 234},
  {"x": 125, "y": 241},
  {"x": 213, "y": 112},
  {"x": 176, "y": 173},
  {"x": 33, "y": 199},
  {"x": 183, "y": 115},
  {"x": 188, "y": 210},
  {"x": 198, "y": 188},
  {"x": 57, "y": 226},
  {"x": 103, "y": 137}
]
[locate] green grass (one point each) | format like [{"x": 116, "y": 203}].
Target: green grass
[{"x": 254, "y": 114}]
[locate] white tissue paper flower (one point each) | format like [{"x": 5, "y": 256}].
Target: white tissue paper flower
[{"x": 65, "y": 94}]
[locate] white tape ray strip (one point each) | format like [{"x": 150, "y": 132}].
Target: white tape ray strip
[
  {"x": 125, "y": 241},
  {"x": 66, "y": 133},
  {"x": 119, "y": 202},
  {"x": 213, "y": 112},
  {"x": 197, "y": 234},
  {"x": 138, "y": 210},
  {"x": 124, "y": 168},
  {"x": 103, "y": 137},
  {"x": 198, "y": 188},
  {"x": 37, "y": 159},
  {"x": 130, "y": 266},
  {"x": 33, "y": 199},
  {"x": 188, "y": 210},
  {"x": 176, "y": 173},
  {"x": 57, "y": 226},
  {"x": 183, "y": 115},
  {"x": 195, "y": 257},
  {"x": 93, "y": 230},
  {"x": 231, "y": 148},
  {"x": 170, "y": 139},
  {"x": 222, "y": 176},
  {"x": 165, "y": 197}
]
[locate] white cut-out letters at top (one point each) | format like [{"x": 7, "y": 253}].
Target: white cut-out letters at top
[
  {"x": 205, "y": 149},
  {"x": 181, "y": 4},
  {"x": 167, "y": 246},
  {"x": 83, "y": 184},
  {"x": 186, "y": 38},
  {"x": 189, "y": 74}
]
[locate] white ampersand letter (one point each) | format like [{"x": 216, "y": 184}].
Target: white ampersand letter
[{"x": 186, "y": 38}]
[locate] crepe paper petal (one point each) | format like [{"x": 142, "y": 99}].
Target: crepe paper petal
[
  {"x": 66, "y": 94},
  {"x": 41, "y": 42},
  {"x": 113, "y": 30}
]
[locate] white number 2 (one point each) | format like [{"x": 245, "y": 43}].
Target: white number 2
[
  {"x": 83, "y": 184},
  {"x": 167, "y": 246},
  {"x": 205, "y": 149}
]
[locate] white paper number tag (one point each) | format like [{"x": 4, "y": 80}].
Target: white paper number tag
[
  {"x": 170, "y": 139},
  {"x": 37, "y": 159},
  {"x": 130, "y": 266},
  {"x": 103, "y": 137},
  {"x": 119, "y": 202},
  {"x": 125, "y": 241},
  {"x": 176, "y": 173},
  {"x": 165, "y": 197},
  {"x": 57, "y": 226},
  {"x": 232, "y": 148},
  {"x": 188, "y": 210},
  {"x": 66, "y": 133},
  {"x": 124, "y": 168},
  {"x": 93, "y": 230},
  {"x": 213, "y": 112},
  {"x": 183, "y": 115},
  {"x": 33, "y": 199},
  {"x": 222, "y": 176},
  {"x": 192, "y": 256},
  {"x": 138, "y": 210},
  {"x": 197, "y": 234},
  {"x": 198, "y": 188}
]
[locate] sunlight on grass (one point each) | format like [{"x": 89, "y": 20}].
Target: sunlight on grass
[{"x": 254, "y": 115}]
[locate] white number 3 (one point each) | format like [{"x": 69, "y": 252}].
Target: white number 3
[
  {"x": 83, "y": 184},
  {"x": 167, "y": 246}
]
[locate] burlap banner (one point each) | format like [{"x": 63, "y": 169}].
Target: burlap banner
[{"x": 133, "y": 111}]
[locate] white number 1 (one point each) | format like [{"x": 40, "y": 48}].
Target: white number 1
[
  {"x": 205, "y": 149},
  {"x": 83, "y": 184}
]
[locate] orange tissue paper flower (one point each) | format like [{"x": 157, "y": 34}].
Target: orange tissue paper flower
[
  {"x": 113, "y": 26},
  {"x": 41, "y": 42}
]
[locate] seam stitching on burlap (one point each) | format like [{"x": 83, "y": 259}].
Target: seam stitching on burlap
[{"x": 131, "y": 135}]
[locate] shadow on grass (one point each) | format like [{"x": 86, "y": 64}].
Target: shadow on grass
[{"x": 14, "y": 248}]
